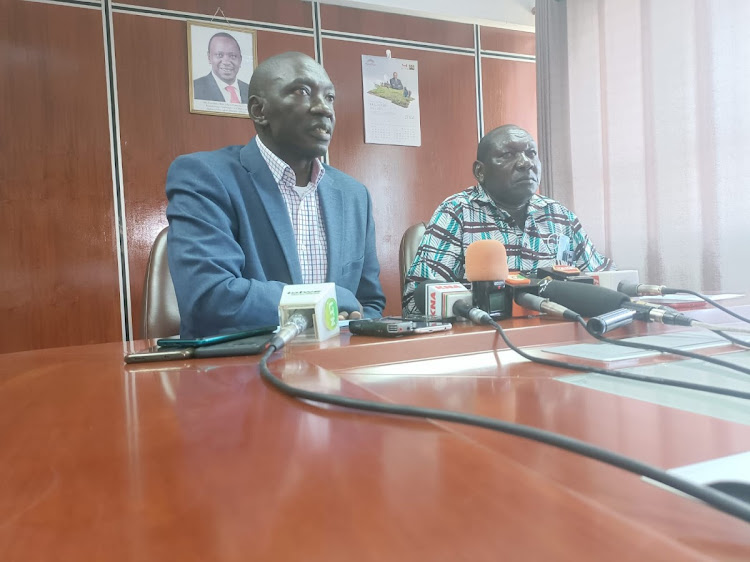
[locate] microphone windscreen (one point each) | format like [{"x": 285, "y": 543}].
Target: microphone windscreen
[
  {"x": 486, "y": 260},
  {"x": 587, "y": 300}
]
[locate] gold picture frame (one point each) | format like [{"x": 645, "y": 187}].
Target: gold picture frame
[{"x": 221, "y": 60}]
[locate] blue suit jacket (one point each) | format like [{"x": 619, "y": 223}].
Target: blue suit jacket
[{"x": 232, "y": 249}]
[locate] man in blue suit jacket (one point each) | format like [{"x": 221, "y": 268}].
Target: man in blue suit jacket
[{"x": 232, "y": 242}]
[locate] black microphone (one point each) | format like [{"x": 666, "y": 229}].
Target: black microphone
[
  {"x": 593, "y": 301},
  {"x": 586, "y": 300}
]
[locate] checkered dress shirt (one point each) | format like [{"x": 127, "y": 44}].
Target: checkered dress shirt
[
  {"x": 472, "y": 215},
  {"x": 303, "y": 205}
]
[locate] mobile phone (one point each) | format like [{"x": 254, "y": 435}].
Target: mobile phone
[
  {"x": 213, "y": 340},
  {"x": 253, "y": 345},
  {"x": 422, "y": 324},
  {"x": 395, "y": 327},
  {"x": 159, "y": 354}
]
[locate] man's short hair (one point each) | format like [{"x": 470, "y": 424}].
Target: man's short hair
[
  {"x": 484, "y": 145},
  {"x": 266, "y": 69},
  {"x": 227, "y": 36}
]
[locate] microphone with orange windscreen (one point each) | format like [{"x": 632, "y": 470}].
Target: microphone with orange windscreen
[
  {"x": 493, "y": 287},
  {"x": 486, "y": 260}
]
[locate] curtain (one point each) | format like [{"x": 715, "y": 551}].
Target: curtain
[
  {"x": 656, "y": 95},
  {"x": 553, "y": 109}
]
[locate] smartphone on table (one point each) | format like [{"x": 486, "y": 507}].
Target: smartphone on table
[
  {"x": 213, "y": 340},
  {"x": 393, "y": 327},
  {"x": 248, "y": 342}
]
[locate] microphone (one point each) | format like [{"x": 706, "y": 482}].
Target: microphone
[
  {"x": 492, "y": 287},
  {"x": 643, "y": 290},
  {"x": 593, "y": 301},
  {"x": 436, "y": 299},
  {"x": 486, "y": 260},
  {"x": 486, "y": 266},
  {"x": 310, "y": 310},
  {"x": 586, "y": 300}
]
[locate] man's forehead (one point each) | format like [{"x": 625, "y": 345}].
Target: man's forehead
[
  {"x": 514, "y": 137},
  {"x": 224, "y": 44},
  {"x": 301, "y": 71}
]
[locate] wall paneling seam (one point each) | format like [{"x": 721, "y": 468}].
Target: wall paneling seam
[
  {"x": 117, "y": 177},
  {"x": 478, "y": 81},
  {"x": 185, "y": 16},
  {"x": 91, "y": 5},
  {"x": 316, "y": 32}
]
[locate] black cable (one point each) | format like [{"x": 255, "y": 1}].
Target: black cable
[
  {"x": 671, "y": 350},
  {"x": 619, "y": 374},
  {"x": 718, "y": 500},
  {"x": 709, "y": 301},
  {"x": 735, "y": 341}
]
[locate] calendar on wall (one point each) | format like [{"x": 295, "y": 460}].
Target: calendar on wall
[{"x": 390, "y": 89}]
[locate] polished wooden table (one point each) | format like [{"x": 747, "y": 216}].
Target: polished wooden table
[{"x": 200, "y": 460}]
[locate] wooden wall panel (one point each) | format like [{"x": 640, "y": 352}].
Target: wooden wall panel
[
  {"x": 288, "y": 12},
  {"x": 507, "y": 40},
  {"x": 381, "y": 24},
  {"x": 509, "y": 93},
  {"x": 158, "y": 127},
  {"x": 406, "y": 183},
  {"x": 58, "y": 265},
  {"x": 59, "y": 283}
]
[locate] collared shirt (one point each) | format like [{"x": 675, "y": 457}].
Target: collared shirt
[
  {"x": 303, "y": 205},
  {"x": 223, "y": 87},
  {"x": 551, "y": 235}
]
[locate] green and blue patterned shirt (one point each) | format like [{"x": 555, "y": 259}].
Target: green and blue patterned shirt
[{"x": 551, "y": 235}]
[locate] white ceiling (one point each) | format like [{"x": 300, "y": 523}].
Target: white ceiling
[{"x": 511, "y": 14}]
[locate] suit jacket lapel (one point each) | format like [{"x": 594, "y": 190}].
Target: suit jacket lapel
[
  {"x": 332, "y": 207},
  {"x": 216, "y": 91},
  {"x": 273, "y": 202}
]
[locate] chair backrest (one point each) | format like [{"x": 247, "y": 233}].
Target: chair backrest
[
  {"x": 161, "y": 317},
  {"x": 408, "y": 249}
]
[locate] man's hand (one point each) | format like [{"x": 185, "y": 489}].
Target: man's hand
[{"x": 353, "y": 315}]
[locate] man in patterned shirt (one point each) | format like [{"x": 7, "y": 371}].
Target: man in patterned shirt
[
  {"x": 536, "y": 231},
  {"x": 246, "y": 220}
]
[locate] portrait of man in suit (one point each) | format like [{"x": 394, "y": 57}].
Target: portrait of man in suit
[
  {"x": 221, "y": 84},
  {"x": 220, "y": 87}
]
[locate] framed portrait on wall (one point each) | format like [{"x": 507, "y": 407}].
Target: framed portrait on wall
[{"x": 221, "y": 60}]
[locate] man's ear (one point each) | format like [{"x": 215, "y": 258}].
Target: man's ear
[
  {"x": 255, "y": 107},
  {"x": 478, "y": 170}
]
